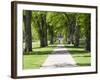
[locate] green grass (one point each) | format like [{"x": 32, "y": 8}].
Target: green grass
[
  {"x": 33, "y": 61},
  {"x": 80, "y": 55},
  {"x": 36, "y": 58}
]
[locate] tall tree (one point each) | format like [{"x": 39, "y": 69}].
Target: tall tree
[
  {"x": 77, "y": 35},
  {"x": 51, "y": 33},
  {"x": 27, "y": 28},
  {"x": 39, "y": 19},
  {"x": 56, "y": 23},
  {"x": 70, "y": 27},
  {"x": 43, "y": 31},
  {"x": 88, "y": 31},
  {"x": 77, "y": 30}
]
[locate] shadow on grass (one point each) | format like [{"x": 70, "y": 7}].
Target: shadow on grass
[
  {"x": 38, "y": 53},
  {"x": 71, "y": 46},
  {"x": 79, "y": 54},
  {"x": 82, "y": 56},
  {"x": 62, "y": 52},
  {"x": 50, "y": 46},
  {"x": 77, "y": 51},
  {"x": 41, "y": 50},
  {"x": 85, "y": 64}
]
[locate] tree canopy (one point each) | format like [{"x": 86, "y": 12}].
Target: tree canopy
[{"x": 46, "y": 26}]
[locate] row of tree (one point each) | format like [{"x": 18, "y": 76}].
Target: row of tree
[{"x": 46, "y": 26}]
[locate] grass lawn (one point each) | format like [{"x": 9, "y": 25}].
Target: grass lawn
[
  {"x": 80, "y": 55},
  {"x": 37, "y": 57}
]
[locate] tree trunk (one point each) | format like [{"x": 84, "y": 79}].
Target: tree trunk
[
  {"x": 28, "y": 35},
  {"x": 46, "y": 41},
  {"x": 43, "y": 31},
  {"x": 88, "y": 44},
  {"x": 71, "y": 32},
  {"x": 87, "y": 33},
  {"x": 77, "y": 36},
  {"x": 41, "y": 36},
  {"x": 51, "y": 37}
]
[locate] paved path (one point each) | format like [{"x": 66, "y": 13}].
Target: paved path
[{"x": 59, "y": 58}]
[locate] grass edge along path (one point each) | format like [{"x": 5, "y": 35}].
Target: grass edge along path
[
  {"x": 36, "y": 58},
  {"x": 80, "y": 55}
]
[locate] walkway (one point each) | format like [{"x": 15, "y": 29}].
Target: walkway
[{"x": 60, "y": 57}]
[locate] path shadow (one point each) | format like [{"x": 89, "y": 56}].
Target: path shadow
[
  {"x": 62, "y": 52},
  {"x": 37, "y": 52},
  {"x": 60, "y": 65}
]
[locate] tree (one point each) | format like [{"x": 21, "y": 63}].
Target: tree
[
  {"x": 77, "y": 36},
  {"x": 27, "y": 29},
  {"x": 88, "y": 32},
  {"x": 70, "y": 27},
  {"x": 77, "y": 30},
  {"x": 51, "y": 33},
  {"x": 56, "y": 23},
  {"x": 39, "y": 19},
  {"x": 73, "y": 26}
]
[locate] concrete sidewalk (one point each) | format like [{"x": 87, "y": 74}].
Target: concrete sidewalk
[{"x": 60, "y": 57}]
